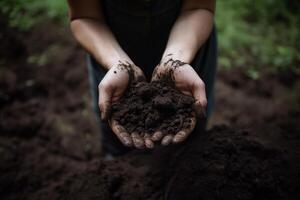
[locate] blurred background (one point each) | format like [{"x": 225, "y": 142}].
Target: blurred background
[
  {"x": 254, "y": 35},
  {"x": 47, "y": 127}
]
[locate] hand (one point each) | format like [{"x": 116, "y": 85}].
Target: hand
[
  {"x": 111, "y": 89},
  {"x": 135, "y": 139},
  {"x": 185, "y": 79}
]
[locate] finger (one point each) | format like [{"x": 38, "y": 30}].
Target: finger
[
  {"x": 157, "y": 136},
  {"x": 148, "y": 142},
  {"x": 155, "y": 73},
  {"x": 167, "y": 140},
  {"x": 121, "y": 133},
  {"x": 137, "y": 140},
  {"x": 183, "y": 134},
  {"x": 104, "y": 100},
  {"x": 200, "y": 98}
]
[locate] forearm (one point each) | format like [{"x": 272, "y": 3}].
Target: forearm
[
  {"x": 189, "y": 32},
  {"x": 98, "y": 40}
]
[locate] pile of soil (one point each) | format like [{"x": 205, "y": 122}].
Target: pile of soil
[
  {"x": 228, "y": 164},
  {"x": 155, "y": 106},
  {"x": 223, "y": 164}
]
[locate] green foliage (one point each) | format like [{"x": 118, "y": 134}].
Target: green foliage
[
  {"x": 24, "y": 14},
  {"x": 44, "y": 57},
  {"x": 258, "y": 35}
]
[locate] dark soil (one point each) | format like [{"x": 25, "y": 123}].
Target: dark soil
[
  {"x": 150, "y": 107},
  {"x": 228, "y": 164},
  {"x": 50, "y": 147},
  {"x": 221, "y": 164}
]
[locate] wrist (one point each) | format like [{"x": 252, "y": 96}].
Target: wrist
[
  {"x": 170, "y": 62},
  {"x": 134, "y": 73},
  {"x": 116, "y": 61},
  {"x": 185, "y": 56},
  {"x": 112, "y": 58}
]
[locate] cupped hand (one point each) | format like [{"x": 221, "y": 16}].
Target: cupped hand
[
  {"x": 111, "y": 89},
  {"x": 131, "y": 139},
  {"x": 185, "y": 79}
]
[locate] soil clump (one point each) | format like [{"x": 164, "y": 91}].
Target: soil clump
[{"x": 155, "y": 106}]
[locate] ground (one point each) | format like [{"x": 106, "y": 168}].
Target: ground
[{"x": 50, "y": 146}]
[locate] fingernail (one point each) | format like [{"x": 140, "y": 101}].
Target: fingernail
[
  {"x": 127, "y": 142},
  {"x": 176, "y": 139},
  {"x": 179, "y": 136},
  {"x": 137, "y": 140},
  {"x": 149, "y": 144},
  {"x": 167, "y": 140},
  {"x": 157, "y": 136}
]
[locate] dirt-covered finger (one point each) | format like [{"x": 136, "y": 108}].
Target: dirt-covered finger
[
  {"x": 157, "y": 136},
  {"x": 137, "y": 140},
  {"x": 121, "y": 133},
  {"x": 167, "y": 140},
  {"x": 148, "y": 142},
  {"x": 183, "y": 134}
]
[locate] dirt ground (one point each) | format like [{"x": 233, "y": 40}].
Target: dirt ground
[{"x": 50, "y": 146}]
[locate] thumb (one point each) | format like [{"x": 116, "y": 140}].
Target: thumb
[
  {"x": 104, "y": 101},
  {"x": 200, "y": 99}
]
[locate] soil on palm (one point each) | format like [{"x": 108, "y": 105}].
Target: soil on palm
[{"x": 155, "y": 106}]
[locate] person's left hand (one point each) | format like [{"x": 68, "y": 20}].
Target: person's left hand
[
  {"x": 186, "y": 80},
  {"x": 111, "y": 89}
]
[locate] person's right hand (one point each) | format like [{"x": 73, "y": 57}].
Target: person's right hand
[
  {"x": 186, "y": 80},
  {"x": 111, "y": 89}
]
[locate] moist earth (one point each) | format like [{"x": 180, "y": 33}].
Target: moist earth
[
  {"x": 155, "y": 106},
  {"x": 221, "y": 164}
]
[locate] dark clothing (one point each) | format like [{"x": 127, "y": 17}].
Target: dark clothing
[{"x": 142, "y": 29}]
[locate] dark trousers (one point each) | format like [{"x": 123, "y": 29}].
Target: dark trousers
[{"x": 143, "y": 34}]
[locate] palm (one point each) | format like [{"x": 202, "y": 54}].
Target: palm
[
  {"x": 185, "y": 79},
  {"x": 188, "y": 82},
  {"x": 118, "y": 84},
  {"x": 111, "y": 89}
]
